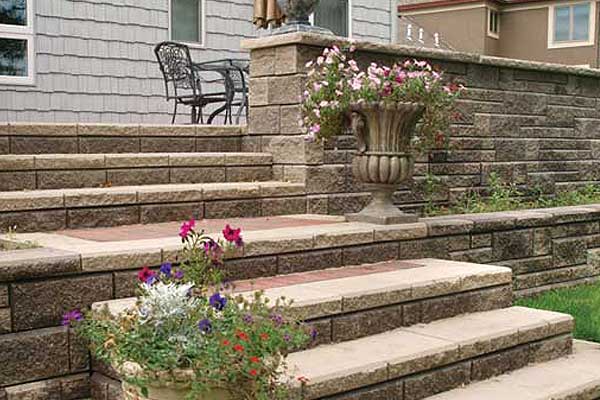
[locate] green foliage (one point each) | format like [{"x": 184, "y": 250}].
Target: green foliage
[
  {"x": 504, "y": 196},
  {"x": 581, "y": 302}
]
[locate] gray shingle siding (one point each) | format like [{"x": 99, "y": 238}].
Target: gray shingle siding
[{"x": 95, "y": 61}]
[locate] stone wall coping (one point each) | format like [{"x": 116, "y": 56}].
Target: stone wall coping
[
  {"x": 312, "y": 39},
  {"x": 427, "y": 279},
  {"x": 127, "y": 255},
  {"x": 99, "y": 129}
]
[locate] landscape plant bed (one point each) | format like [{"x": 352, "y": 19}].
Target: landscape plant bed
[{"x": 582, "y": 302}]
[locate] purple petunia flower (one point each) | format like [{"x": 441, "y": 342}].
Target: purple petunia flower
[
  {"x": 287, "y": 337},
  {"x": 277, "y": 319},
  {"x": 217, "y": 301},
  {"x": 205, "y": 326},
  {"x": 313, "y": 334},
  {"x": 166, "y": 269},
  {"x": 248, "y": 319},
  {"x": 71, "y": 316},
  {"x": 179, "y": 274}
]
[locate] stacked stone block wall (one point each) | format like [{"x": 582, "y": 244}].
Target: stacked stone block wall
[{"x": 535, "y": 125}]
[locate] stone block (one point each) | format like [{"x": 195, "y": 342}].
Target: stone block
[
  {"x": 34, "y": 221},
  {"x": 171, "y": 212},
  {"x": 366, "y": 323},
  {"x": 284, "y": 206},
  {"x": 481, "y": 240},
  {"x": 517, "y": 150},
  {"x": 126, "y": 284},
  {"x": 4, "y": 296},
  {"x": 285, "y": 89},
  {"x": 35, "y": 263},
  {"x": 106, "y": 216},
  {"x": 264, "y": 121},
  {"x": 75, "y": 387},
  {"x": 480, "y": 256},
  {"x": 43, "y": 145},
  {"x": 226, "y": 144},
  {"x": 390, "y": 390},
  {"x": 326, "y": 179},
  {"x": 42, "y": 303},
  {"x": 525, "y": 103},
  {"x": 249, "y": 174},
  {"x": 500, "y": 363},
  {"x": 551, "y": 349},
  {"x": 233, "y": 209},
  {"x": 33, "y": 355},
  {"x": 542, "y": 241},
  {"x": 437, "y": 381},
  {"x": 349, "y": 203},
  {"x": 4, "y": 146},
  {"x": 79, "y": 355},
  {"x": 513, "y": 244},
  {"x": 317, "y": 205},
  {"x": 262, "y": 62},
  {"x": 426, "y": 248},
  {"x": 259, "y": 90},
  {"x": 529, "y": 265},
  {"x": 309, "y": 261},
  {"x": 138, "y": 176},
  {"x": 5, "y": 321},
  {"x": 251, "y": 268},
  {"x": 167, "y": 145},
  {"x": 293, "y": 150},
  {"x": 43, "y": 390},
  {"x": 369, "y": 254},
  {"x": 446, "y": 227},
  {"x": 568, "y": 252},
  {"x": 108, "y": 145},
  {"x": 17, "y": 180},
  {"x": 291, "y": 120},
  {"x": 482, "y": 76},
  {"x": 70, "y": 179}
]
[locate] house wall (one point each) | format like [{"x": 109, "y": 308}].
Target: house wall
[
  {"x": 467, "y": 35},
  {"x": 524, "y": 35},
  {"x": 95, "y": 60}
]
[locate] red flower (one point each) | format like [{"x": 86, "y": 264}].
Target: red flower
[
  {"x": 145, "y": 275},
  {"x": 264, "y": 336},
  {"x": 186, "y": 228},
  {"x": 253, "y": 372},
  {"x": 226, "y": 342},
  {"x": 233, "y": 235},
  {"x": 242, "y": 336},
  {"x": 255, "y": 360},
  {"x": 238, "y": 347}
]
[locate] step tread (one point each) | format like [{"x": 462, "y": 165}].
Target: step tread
[
  {"x": 344, "y": 366},
  {"x": 396, "y": 282},
  {"x": 23, "y": 162},
  {"x": 86, "y": 197},
  {"x": 565, "y": 378}
]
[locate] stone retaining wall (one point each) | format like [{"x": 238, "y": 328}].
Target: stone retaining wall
[
  {"x": 534, "y": 124},
  {"x": 545, "y": 248}
]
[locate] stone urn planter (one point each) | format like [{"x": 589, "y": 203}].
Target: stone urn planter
[
  {"x": 297, "y": 14},
  {"x": 172, "y": 385},
  {"x": 384, "y": 159}
]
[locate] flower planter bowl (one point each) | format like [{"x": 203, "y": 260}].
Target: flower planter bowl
[
  {"x": 384, "y": 159},
  {"x": 170, "y": 385}
]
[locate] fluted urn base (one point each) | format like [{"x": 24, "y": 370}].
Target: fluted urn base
[{"x": 381, "y": 210}]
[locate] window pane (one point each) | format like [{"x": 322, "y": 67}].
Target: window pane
[
  {"x": 333, "y": 15},
  {"x": 581, "y": 21},
  {"x": 562, "y": 22},
  {"x": 13, "y": 12},
  {"x": 186, "y": 20},
  {"x": 13, "y": 57}
]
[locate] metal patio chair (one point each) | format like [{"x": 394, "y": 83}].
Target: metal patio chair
[{"x": 183, "y": 83}]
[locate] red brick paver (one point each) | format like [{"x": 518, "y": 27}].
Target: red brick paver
[
  {"x": 167, "y": 229},
  {"x": 321, "y": 275}
]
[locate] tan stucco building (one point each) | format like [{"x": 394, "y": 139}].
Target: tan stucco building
[{"x": 540, "y": 30}]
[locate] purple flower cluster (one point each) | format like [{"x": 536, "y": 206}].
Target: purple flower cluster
[
  {"x": 71, "y": 317},
  {"x": 217, "y": 301},
  {"x": 205, "y": 326}
]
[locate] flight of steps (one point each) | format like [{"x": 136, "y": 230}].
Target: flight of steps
[
  {"x": 76, "y": 176},
  {"x": 411, "y": 330}
]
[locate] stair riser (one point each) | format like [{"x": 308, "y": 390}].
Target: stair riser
[
  {"x": 129, "y": 214},
  {"x": 428, "y": 383},
  {"x": 349, "y": 326},
  {"x": 90, "y": 178},
  {"x": 416, "y": 386}
]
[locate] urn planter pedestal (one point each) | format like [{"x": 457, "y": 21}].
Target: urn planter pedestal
[
  {"x": 297, "y": 14},
  {"x": 383, "y": 160}
]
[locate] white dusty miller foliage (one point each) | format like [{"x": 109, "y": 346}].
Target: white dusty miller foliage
[{"x": 164, "y": 302}]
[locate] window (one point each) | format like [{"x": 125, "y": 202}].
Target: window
[
  {"x": 187, "y": 17},
  {"x": 493, "y": 23},
  {"x": 571, "y": 25},
  {"x": 16, "y": 42},
  {"x": 334, "y": 15}
]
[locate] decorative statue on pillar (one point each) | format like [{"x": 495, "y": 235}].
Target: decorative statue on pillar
[{"x": 297, "y": 14}]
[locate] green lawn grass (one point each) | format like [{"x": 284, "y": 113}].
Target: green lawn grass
[{"x": 582, "y": 302}]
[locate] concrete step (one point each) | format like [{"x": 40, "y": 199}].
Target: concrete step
[
  {"x": 43, "y": 210},
  {"x": 353, "y": 302},
  {"x": 58, "y": 171},
  {"x": 425, "y": 360},
  {"x": 576, "y": 377},
  {"x": 25, "y": 138}
]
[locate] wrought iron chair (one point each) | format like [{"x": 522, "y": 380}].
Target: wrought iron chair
[
  {"x": 183, "y": 83},
  {"x": 235, "y": 74}
]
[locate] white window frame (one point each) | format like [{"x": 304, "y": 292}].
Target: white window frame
[
  {"x": 202, "y": 33},
  {"x": 490, "y": 33},
  {"x": 571, "y": 43},
  {"x": 26, "y": 33},
  {"x": 311, "y": 19}
]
